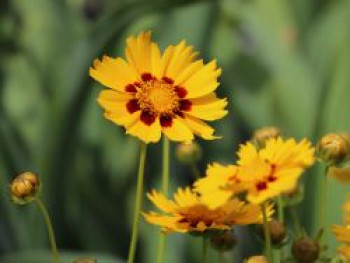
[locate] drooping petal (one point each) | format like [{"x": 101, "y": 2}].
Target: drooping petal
[
  {"x": 168, "y": 223},
  {"x": 113, "y": 73},
  {"x": 200, "y": 128}
]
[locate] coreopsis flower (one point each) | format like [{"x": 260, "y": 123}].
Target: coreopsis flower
[
  {"x": 274, "y": 169},
  {"x": 219, "y": 184},
  {"x": 151, "y": 93},
  {"x": 342, "y": 174},
  {"x": 189, "y": 213}
]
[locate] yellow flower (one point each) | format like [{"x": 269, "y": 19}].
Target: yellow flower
[
  {"x": 275, "y": 169},
  {"x": 342, "y": 234},
  {"x": 188, "y": 213},
  {"x": 219, "y": 184},
  {"x": 151, "y": 93}
]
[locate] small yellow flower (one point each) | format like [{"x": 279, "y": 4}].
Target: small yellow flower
[
  {"x": 188, "y": 213},
  {"x": 275, "y": 169},
  {"x": 151, "y": 93}
]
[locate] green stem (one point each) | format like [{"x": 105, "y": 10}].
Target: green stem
[
  {"x": 268, "y": 249},
  {"x": 295, "y": 221},
  {"x": 165, "y": 188},
  {"x": 322, "y": 206},
  {"x": 48, "y": 223},
  {"x": 195, "y": 171},
  {"x": 138, "y": 203},
  {"x": 222, "y": 258},
  {"x": 204, "y": 250},
  {"x": 280, "y": 207}
]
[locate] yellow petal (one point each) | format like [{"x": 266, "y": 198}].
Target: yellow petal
[
  {"x": 178, "y": 131},
  {"x": 160, "y": 201},
  {"x": 113, "y": 73},
  {"x": 146, "y": 133},
  {"x": 200, "y": 128},
  {"x": 185, "y": 197},
  {"x": 177, "y": 59},
  {"x": 203, "y": 81},
  {"x": 139, "y": 52},
  {"x": 208, "y": 107}
]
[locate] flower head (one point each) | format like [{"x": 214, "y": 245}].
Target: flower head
[
  {"x": 189, "y": 213},
  {"x": 24, "y": 188},
  {"x": 151, "y": 93},
  {"x": 274, "y": 169},
  {"x": 333, "y": 148}
]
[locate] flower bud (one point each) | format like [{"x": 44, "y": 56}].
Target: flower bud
[
  {"x": 277, "y": 232},
  {"x": 189, "y": 153},
  {"x": 85, "y": 260},
  {"x": 260, "y": 136},
  {"x": 24, "y": 188},
  {"x": 333, "y": 148},
  {"x": 305, "y": 250},
  {"x": 257, "y": 259},
  {"x": 223, "y": 242}
]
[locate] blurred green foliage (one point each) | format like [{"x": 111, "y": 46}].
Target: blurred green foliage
[{"x": 285, "y": 63}]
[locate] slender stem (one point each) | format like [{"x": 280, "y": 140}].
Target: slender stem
[
  {"x": 280, "y": 207},
  {"x": 268, "y": 250},
  {"x": 204, "y": 250},
  {"x": 322, "y": 206},
  {"x": 165, "y": 188},
  {"x": 50, "y": 230},
  {"x": 295, "y": 221},
  {"x": 138, "y": 203}
]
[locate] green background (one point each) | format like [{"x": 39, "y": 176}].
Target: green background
[{"x": 285, "y": 63}]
